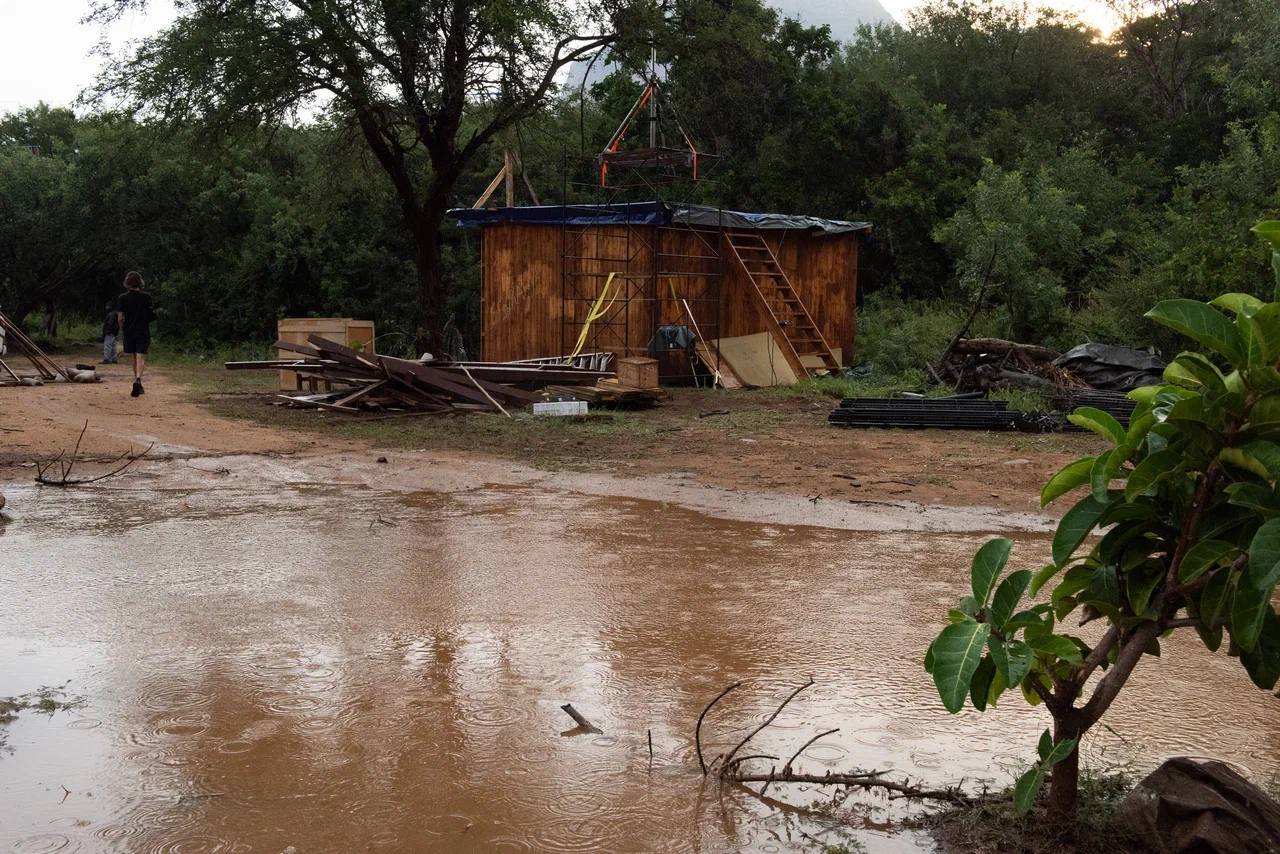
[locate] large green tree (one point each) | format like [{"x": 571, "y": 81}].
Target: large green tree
[{"x": 404, "y": 76}]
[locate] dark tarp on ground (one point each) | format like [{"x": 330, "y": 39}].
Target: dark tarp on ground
[
  {"x": 651, "y": 213},
  {"x": 1186, "y": 806},
  {"x": 1106, "y": 366}
]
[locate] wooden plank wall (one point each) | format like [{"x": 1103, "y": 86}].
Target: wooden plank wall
[{"x": 521, "y": 291}]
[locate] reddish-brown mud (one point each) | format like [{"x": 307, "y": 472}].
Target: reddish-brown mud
[{"x": 337, "y": 655}]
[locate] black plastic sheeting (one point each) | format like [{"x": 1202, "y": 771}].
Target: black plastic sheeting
[
  {"x": 652, "y": 213},
  {"x": 1112, "y": 368}
]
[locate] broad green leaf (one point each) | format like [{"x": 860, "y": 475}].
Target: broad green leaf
[
  {"x": 1263, "y": 662},
  {"x": 1203, "y": 324},
  {"x": 1264, "y": 556},
  {"x": 957, "y": 651},
  {"x": 1215, "y": 599},
  {"x": 1076, "y": 524},
  {"x": 1027, "y": 686},
  {"x": 998, "y": 687},
  {"x": 1060, "y": 751},
  {"x": 1045, "y": 746},
  {"x": 1269, "y": 230},
  {"x": 1025, "y": 790},
  {"x": 1077, "y": 579},
  {"x": 1201, "y": 557},
  {"x": 1104, "y": 469},
  {"x": 1261, "y": 458},
  {"x": 980, "y": 685},
  {"x": 1254, "y": 496},
  {"x": 1058, "y": 646},
  {"x": 1007, "y": 597},
  {"x": 928, "y": 659},
  {"x": 1041, "y": 578},
  {"x": 987, "y": 564},
  {"x": 1104, "y": 587},
  {"x": 1102, "y": 423},
  {"x": 1141, "y": 581},
  {"x": 1248, "y": 609},
  {"x": 1265, "y": 411},
  {"x": 1265, "y": 324},
  {"x": 1202, "y": 370},
  {"x": 1144, "y": 395},
  {"x": 1237, "y": 303},
  {"x": 1071, "y": 476},
  {"x": 1012, "y": 658},
  {"x": 1153, "y": 468},
  {"x": 1212, "y": 638}
]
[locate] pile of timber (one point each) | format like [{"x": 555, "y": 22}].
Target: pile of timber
[
  {"x": 365, "y": 381},
  {"x": 610, "y": 392},
  {"x": 13, "y": 339},
  {"x": 981, "y": 364}
]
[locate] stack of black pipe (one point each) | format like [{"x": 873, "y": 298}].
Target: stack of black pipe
[
  {"x": 1114, "y": 402},
  {"x": 948, "y": 413}
]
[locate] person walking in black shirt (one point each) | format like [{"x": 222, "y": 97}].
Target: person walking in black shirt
[
  {"x": 136, "y": 314},
  {"x": 110, "y": 328}
]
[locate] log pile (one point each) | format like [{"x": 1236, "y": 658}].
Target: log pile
[
  {"x": 360, "y": 382},
  {"x": 981, "y": 364}
]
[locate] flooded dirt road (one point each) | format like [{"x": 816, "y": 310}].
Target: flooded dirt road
[{"x": 269, "y": 658}]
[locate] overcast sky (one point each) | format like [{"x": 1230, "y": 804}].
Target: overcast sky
[{"x": 45, "y": 50}]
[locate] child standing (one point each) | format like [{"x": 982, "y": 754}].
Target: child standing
[
  {"x": 136, "y": 314},
  {"x": 110, "y": 327}
]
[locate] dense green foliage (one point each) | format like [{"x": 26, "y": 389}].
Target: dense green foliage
[
  {"x": 1187, "y": 495},
  {"x": 1065, "y": 179}
]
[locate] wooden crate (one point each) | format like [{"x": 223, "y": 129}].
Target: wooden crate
[
  {"x": 357, "y": 334},
  {"x": 638, "y": 372}
]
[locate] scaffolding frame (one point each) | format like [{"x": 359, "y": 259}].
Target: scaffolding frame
[{"x": 635, "y": 255}]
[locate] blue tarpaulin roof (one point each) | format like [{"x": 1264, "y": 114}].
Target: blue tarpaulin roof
[{"x": 651, "y": 213}]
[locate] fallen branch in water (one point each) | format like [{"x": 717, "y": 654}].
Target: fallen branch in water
[
  {"x": 728, "y": 762},
  {"x": 581, "y": 721},
  {"x": 861, "y": 779},
  {"x": 697, "y": 730},
  {"x": 731, "y": 769},
  {"x": 67, "y": 464}
]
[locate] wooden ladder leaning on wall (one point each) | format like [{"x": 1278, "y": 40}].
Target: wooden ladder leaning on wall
[{"x": 788, "y": 319}]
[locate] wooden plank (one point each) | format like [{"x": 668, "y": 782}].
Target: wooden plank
[
  {"x": 717, "y": 365},
  {"x": 435, "y": 380}
]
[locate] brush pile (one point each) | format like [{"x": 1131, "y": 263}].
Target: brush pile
[
  {"x": 981, "y": 364},
  {"x": 359, "y": 382}
]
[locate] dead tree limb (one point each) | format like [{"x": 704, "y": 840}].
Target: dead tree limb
[
  {"x": 581, "y": 721},
  {"x": 865, "y": 780},
  {"x": 67, "y": 464},
  {"x": 973, "y": 311},
  {"x": 729, "y": 759},
  {"x": 697, "y": 730},
  {"x": 786, "y": 769}
]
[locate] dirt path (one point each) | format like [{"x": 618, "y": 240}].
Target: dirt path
[
  {"x": 42, "y": 421},
  {"x": 753, "y": 442}
]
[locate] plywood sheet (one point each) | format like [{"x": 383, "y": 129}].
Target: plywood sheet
[{"x": 756, "y": 359}]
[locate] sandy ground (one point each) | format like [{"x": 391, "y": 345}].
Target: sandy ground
[{"x": 761, "y": 444}]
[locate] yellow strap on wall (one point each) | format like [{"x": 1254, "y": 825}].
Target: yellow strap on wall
[{"x": 598, "y": 310}]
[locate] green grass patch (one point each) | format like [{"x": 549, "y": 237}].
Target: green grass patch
[
  {"x": 1022, "y": 400},
  {"x": 991, "y": 825}
]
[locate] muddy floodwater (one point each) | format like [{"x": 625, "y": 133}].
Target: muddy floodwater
[{"x": 265, "y": 658}]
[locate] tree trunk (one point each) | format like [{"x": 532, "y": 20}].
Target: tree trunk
[
  {"x": 1064, "y": 784},
  {"x": 433, "y": 285}
]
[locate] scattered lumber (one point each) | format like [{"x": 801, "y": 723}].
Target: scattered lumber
[
  {"x": 610, "y": 392},
  {"x": 364, "y": 382},
  {"x": 47, "y": 370}
]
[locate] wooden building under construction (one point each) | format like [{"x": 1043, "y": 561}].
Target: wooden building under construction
[{"x": 650, "y": 278}]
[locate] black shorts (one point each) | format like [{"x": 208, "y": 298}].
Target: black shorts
[{"x": 137, "y": 342}]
